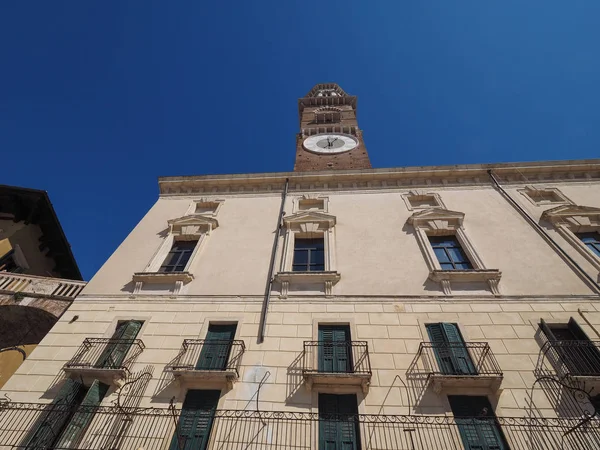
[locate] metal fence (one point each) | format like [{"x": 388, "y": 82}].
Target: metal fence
[
  {"x": 105, "y": 353},
  {"x": 455, "y": 358},
  {"x": 153, "y": 429},
  {"x": 202, "y": 354},
  {"x": 569, "y": 359},
  {"x": 336, "y": 357}
]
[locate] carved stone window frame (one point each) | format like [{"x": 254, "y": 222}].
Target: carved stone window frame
[
  {"x": 217, "y": 201},
  {"x": 443, "y": 222},
  {"x": 310, "y": 197},
  {"x": 529, "y": 193},
  {"x": 308, "y": 224},
  {"x": 187, "y": 228},
  {"x": 570, "y": 219},
  {"x": 414, "y": 194}
]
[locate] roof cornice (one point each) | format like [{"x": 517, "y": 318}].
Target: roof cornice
[{"x": 397, "y": 177}]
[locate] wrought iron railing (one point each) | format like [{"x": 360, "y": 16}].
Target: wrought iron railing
[
  {"x": 202, "y": 354},
  {"x": 455, "y": 358},
  {"x": 104, "y": 353},
  {"x": 569, "y": 359},
  {"x": 336, "y": 357},
  {"x": 154, "y": 429}
]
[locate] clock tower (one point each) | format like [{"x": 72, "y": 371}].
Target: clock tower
[{"x": 329, "y": 137}]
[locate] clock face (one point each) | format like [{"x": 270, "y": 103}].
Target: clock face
[{"x": 330, "y": 143}]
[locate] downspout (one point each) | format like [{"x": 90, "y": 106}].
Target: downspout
[
  {"x": 269, "y": 287},
  {"x": 544, "y": 234}
]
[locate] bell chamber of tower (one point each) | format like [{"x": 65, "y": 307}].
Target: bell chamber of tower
[{"x": 329, "y": 137}]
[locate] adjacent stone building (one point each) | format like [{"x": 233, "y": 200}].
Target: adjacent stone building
[
  {"x": 335, "y": 307},
  {"x": 38, "y": 274}
]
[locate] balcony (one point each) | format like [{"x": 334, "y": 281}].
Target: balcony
[
  {"x": 35, "y": 286},
  {"x": 112, "y": 427},
  {"x": 451, "y": 365},
  {"x": 336, "y": 366},
  {"x": 201, "y": 360},
  {"x": 577, "y": 361},
  {"x": 105, "y": 359}
]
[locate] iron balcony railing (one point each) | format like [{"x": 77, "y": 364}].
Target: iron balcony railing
[
  {"x": 105, "y": 353},
  {"x": 34, "y": 426},
  {"x": 202, "y": 354},
  {"x": 569, "y": 359},
  {"x": 336, "y": 357},
  {"x": 455, "y": 358}
]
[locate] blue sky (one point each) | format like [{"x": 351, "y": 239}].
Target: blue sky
[{"x": 100, "y": 98}]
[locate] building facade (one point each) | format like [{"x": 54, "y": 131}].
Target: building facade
[
  {"x": 38, "y": 274},
  {"x": 334, "y": 307}
]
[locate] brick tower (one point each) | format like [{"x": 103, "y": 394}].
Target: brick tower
[{"x": 329, "y": 137}]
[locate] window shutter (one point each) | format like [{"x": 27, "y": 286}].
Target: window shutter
[
  {"x": 460, "y": 354},
  {"x": 214, "y": 355},
  {"x": 338, "y": 422},
  {"x": 441, "y": 351},
  {"x": 337, "y": 356},
  {"x": 52, "y": 420},
  {"x": 546, "y": 329},
  {"x": 583, "y": 359},
  {"x": 476, "y": 423},
  {"x": 195, "y": 422},
  {"x": 82, "y": 418},
  {"x": 115, "y": 352}
]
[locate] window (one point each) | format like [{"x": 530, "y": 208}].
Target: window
[
  {"x": 196, "y": 420},
  {"x": 217, "y": 347},
  {"x": 62, "y": 424},
  {"x": 450, "y": 350},
  {"x": 449, "y": 253},
  {"x": 571, "y": 345},
  {"x": 544, "y": 196},
  {"x": 417, "y": 200},
  {"x": 477, "y": 423},
  {"x": 591, "y": 241},
  {"x": 178, "y": 257},
  {"x": 8, "y": 263},
  {"x": 114, "y": 353},
  {"x": 338, "y": 422},
  {"x": 335, "y": 355},
  {"x": 311, "y": 204},
  {"x": 309, "y": 255}
]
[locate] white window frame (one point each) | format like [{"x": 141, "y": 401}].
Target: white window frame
[
  {"x": 187, "y": 228},
  {"x": 570, "y": 219},
  {"x": 443, "y": 222},
  {"x": 307, "y": 224}
]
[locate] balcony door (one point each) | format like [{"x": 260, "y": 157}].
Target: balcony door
[
  {"x": 338, "y": 422},
  {"x": 113, "y": 355},
  {"x": 450, "y": 349},
  {"x": 477, "y": 424},
  {"x": 573, "y": 348},
  {"x": 335, "y": 351},
  {"x": 196, "y": 420},
  {"x": 217, "y": 347}
]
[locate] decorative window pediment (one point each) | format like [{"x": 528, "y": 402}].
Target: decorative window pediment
[
  {"x": 192, "y": 225},
  {"x": 437, "y": 220},
  {"x": 309, "y": 222},
  {"x": 571, "y": 219},
  {"x": 574, "y": 216}
]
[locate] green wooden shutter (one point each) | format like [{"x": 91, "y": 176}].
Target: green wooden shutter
[
  {"x": 338, "y": 422},
  {"x": 452, "y": 359},
  {"x": 195, "y": 422},
  {"x": 460, "y": 354},
  {"x": 81, "y": 419},
  {"x": 214, "y": 355},
  {"x": 585, "y": 358},
  {"x": 335, "y": 351},
  {"x": 54, "y": 417},
  {"x": 476, "y": 423},
  {"x": 114, "y": 354}
]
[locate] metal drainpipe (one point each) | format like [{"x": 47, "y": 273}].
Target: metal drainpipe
[
  {"x": 544, "y": 234},
  {"x": 265, "y": 305}
]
